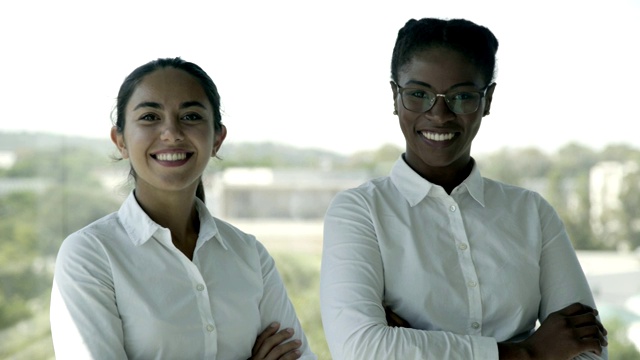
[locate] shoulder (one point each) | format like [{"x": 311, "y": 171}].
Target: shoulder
[
  {"x": 495, "y": 187},
  {"x": 512, "y": 196},
  {"x": 88, "y": 250},
  {"x": 94, "y": 235},
  {"x": 239, "y": 241},
  {"x": 246, "y": 247},
  {"x": 232, "y": 235},
  {"x": 368, "y": 191}
]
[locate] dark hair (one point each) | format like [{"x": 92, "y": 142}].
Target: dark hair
[
  {"x": 475, "y": 42},
  {"x": 132, "y": 81}
]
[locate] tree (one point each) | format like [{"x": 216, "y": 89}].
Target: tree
[{"x": 630, "y": 214}]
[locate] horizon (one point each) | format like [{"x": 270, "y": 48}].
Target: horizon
[{"x": 107, "y": 141}]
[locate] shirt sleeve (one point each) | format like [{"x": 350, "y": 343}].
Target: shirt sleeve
[
  {"x": 562, "y": 281},
  {"x": 275, "y": 305},
  {"x": 352, "y": 292},
  {"x": 84, "y": 317}
]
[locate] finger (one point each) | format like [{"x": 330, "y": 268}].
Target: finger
[
  {"x": 581, "y": 320},
  {"x": 586, "y": 320},
  {"x": 264, "y": 335},
  {"x": 601, "y": 327},
  {"x": 592, "y": 345},
  {"x": 592, "y": 333},
  {"x": 272, "y": 342},
  {"x": 394, "y": 319},
  {"x": 576, "y": 309},
  {"x": 292, "y": 355},
  {"x": 285, "y": 351}
]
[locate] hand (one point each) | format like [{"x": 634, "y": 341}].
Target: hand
[
  {"x": 565, "y": 334},
  {"x": 394, "y": 319},
  {"x": 269, "y": 345}
]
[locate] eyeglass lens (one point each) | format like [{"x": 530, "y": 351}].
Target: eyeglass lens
[{"x": 463, "y": 102}]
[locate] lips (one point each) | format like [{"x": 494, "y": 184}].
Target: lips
[
  {"x": 438, "y": 136},
  {"x": 172, "y": 156}
]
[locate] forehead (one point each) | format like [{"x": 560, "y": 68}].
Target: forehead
[
  {"x": 168, "y": 86},
  {"x": 440, "y": 68}
]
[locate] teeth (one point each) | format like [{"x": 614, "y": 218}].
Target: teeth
[
  {"x": 171, "y": 156},
  {"x": 437, "y": 136}
]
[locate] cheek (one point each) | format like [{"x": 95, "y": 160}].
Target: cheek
[
  {"x": 204, "y": 137},
  {"x": 133, "y": 140},
  {"x": 474, "y": 125},
  {"x": 406, "y": 122}
]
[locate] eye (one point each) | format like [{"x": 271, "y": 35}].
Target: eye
[
  {"x": 461, "y": 96},
  {"x": 418, "y": 94},
  {"x": 149, "y": 117},
  {"x": 192, "y": 117}
]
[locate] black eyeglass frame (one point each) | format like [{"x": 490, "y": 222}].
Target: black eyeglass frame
[{"x": 482, "y": 92}]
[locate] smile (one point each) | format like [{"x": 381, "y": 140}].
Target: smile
[
  {"x": 178, "y": 156},
  {"x": 437, "y": 136}
]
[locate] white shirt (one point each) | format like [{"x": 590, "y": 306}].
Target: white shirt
[
  {"x": 466, "y": 270},
  {"x": 123, "y": 290}
]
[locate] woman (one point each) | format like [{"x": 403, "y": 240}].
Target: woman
[
  {"x": 466, "y": 265},
  {"x": 161, "y": 278}
]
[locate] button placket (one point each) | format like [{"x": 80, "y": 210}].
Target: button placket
[{"x": 469, "y": 274}]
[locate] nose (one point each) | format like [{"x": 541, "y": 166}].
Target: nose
[
  {"x": 440, "y": 111},
  {"x": 171, "y": 132}
]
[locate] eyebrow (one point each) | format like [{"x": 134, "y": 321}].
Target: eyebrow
[
  {"x": 421, "y": 83},
  {"x": 150, "y": 104},
  {"x": 155, "y": 105}
]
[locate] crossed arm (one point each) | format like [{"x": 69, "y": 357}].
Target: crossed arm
[
  {"x": 355, "y": 285},
  {"x": 565, "y": 334}
]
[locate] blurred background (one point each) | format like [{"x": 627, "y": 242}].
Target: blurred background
[{"x": 307, "y": 104}]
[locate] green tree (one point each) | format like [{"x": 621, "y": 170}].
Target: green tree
[
  {"x": 515, "y": 166},
  {"x": 630, "y": 214},
  {"x": 376, "y": 162},
  {"x": 568, "y": 190}
]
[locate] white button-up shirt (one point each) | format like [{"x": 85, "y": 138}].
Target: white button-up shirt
[
  {"x": 466, "y": 270},
  {"x": 123, "y": 290}
]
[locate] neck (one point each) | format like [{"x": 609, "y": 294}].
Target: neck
[
  {"x": 176, "y": 211},
  {"x": 446, "y": 176}
]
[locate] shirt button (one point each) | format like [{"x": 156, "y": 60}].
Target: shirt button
[
  {"x": 475, "y": 325},
  {"x": 472, "y": 284},
  {"x": 210, "y": 328},
  {"x": 452, "y": 208},
  {"x": 462, "y": 246},
  {"x": 200, "y": 287}
]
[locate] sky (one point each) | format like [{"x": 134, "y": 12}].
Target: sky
[{"x": 316, "y": 73}]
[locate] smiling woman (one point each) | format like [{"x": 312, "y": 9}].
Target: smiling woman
[
  {"x": 162, "y": 278},
  {"x": 435, "y": 261}
]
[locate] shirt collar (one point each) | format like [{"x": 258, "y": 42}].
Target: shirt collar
[
  {"x": 414, "y": 188},
  {"x": 141, "y": 228},
  {"x": 208, "y": 227}
]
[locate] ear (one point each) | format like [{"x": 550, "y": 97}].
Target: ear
[
  {"x": 488, "y": 98},
  {"x": 394, "y": 89},
  {"x": 218, "y": 139},
  {"x": 118, "y": 140}
]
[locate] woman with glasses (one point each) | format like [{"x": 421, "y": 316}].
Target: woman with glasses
[
  {"x": 161, "y": 278},
  {"x": 434, "y": 261}
]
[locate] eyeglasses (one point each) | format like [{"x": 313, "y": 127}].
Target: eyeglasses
[{"x": 459, "y": 102}]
